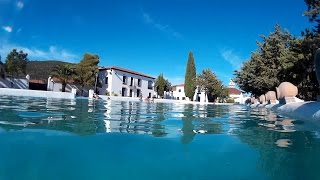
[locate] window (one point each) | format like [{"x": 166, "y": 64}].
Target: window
[
  {"x": 139, "y": 82},
  {"x": 138, "y": 92},
  {"x": 150, "y": 85},
  {"x": 179, "y": 90},
  {"x": 107, "y": 80},
  {"x": 177, "y": 98},
  {"x": 124, "y": 79},
  {"x": 149, "y": 95},
  {"x": 131, "y": 82},
  {"x": 183, "y": 98},
  {"x": 131, "y": 93},
  {"x": 124, "y": 92}
]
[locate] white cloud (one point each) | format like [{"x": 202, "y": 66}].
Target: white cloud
[
  {"x": 232, "y": 58},
  {"x": 52, "y": 53},
  {"x": 20, "y": 4},
  {"x": 7, "y": 28},
  {"x": 161, "y": 27}
]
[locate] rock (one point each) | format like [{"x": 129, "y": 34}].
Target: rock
[
  {"x": 271, "y": 97},
  {"x": 262, "y": 99}
]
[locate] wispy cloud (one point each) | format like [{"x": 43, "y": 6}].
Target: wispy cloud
[
  {"x": 161, "y": 27},
  {"x": 7, "y": 28},
  {"x": 231, "y": 57},
  {"x": 20, "y": 4},
  {"x": 52, "y": 53}
]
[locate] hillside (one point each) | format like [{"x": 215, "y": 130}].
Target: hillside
[{"x": 40, "y": 70}]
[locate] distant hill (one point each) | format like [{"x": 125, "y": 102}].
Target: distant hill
[{"x": 40, "y": 70}]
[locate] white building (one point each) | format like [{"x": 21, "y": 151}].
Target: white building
[
  {"x": 236, "y": 94},
  {"x": 116, "y": 81},
  {"x": 179, "y": 94}
]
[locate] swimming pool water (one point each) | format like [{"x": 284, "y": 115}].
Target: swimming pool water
[{"x": 82, "y": 139}]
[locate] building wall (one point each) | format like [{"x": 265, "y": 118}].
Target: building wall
[
  {"x": 179, "y": 95},
  {"x": 115, "y": 83},
  {"x": 56, "y": 87}
]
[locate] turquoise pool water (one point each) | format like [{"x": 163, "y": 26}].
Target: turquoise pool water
[{"x": 81, "y": 139}]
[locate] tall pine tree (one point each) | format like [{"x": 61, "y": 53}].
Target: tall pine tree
[{"x": 190, "y": 78}]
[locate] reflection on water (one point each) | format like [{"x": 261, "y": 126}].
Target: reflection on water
[{"x": 287, "y": 148}]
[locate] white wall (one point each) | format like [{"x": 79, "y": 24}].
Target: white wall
[
  {"x": 56, "y": 87},
  {"x": 17, "y": 83},
  {"x": 34, "y": 93},
  {"x": 115, "y": 84},
  {"x": 179, "y": 95}
]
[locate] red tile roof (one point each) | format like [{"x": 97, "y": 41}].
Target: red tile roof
[
  {"x": 234, "y": 91},
  {"x": 38, "y": 81},
  {"x": 125, "y": 70}
]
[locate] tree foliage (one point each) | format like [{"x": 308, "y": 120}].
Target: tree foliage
[
  {"x": 209, "y": 82},
  {"x": 16, "y": 63},
  {"x": 2, "y": 69},
  {"x": 160, "y": 85},
  {"x": 190, "y": 77},
  {"x": 64, "y": 73},
  {"x": 86, "y": 70},
  {"x": 281, "y": 57}
]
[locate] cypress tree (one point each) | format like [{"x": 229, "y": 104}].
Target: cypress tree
[{"x": 190, "y": 78}]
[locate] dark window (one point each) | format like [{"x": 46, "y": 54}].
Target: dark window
[
  {"x": 139, "y": 82},
  {"x": 150, "y": 85},
  {"x": 183, "y": 98},
  {"x": 107, "y": 80},
  {"x": 131, "y": 93},
  {"x": 177, "y": 98},
  {"x": 124, "y": 79},
  {"x": 179, "y": 90},
  {"x": 138, "y": 92},
  {"x": 124, "y": 92},
  {"x": 131, "y": 82},
  {"x": 149, "y": 95}
]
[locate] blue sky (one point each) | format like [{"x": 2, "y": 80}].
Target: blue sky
[{"x": 148, "y": 36}]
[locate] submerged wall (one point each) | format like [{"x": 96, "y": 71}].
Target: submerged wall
[{"x": 35, "y": 93}]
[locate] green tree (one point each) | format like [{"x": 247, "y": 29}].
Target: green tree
[
  {"x": 190, "y": 77},
  {"x": 16, "y": 63},
  {"x": 86, "y": 70},
  {"x": 209, "y": 82},
  {"x": 64, "y": 73},
  {"x": 2, "y": 69},
  {"x": 264, "y": 70},
  {"x": 313, "y": 12},
  {"x": 160, "y": 85},
  {"x": 168, "y": 86}
]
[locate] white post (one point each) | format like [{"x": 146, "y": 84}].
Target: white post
[{"x": 91, "y": 92}]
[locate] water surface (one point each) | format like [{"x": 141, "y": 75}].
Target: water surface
[{"x": 81, "y": 139}]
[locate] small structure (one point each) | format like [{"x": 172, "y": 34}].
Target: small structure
[
  {"x": 179, "y": 94},
  {"x": 287, "y": 93}
]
